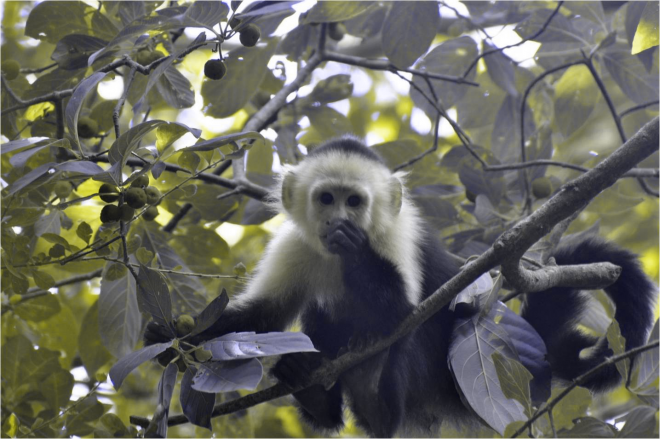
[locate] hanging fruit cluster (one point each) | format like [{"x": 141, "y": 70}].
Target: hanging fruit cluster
[{"x": 138, "y": 195}]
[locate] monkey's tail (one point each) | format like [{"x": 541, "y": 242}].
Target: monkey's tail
[{"x": 554, "y": 313}]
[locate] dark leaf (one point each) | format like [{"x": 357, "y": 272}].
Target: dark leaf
[
  {"x": 50, "y": 223},
  {"x": 197, "y": 406},
  {"x": 240, "y": 345},
  {"x": 119, "y": 316},
  {"x": 478, "y": 181},
  {"x": 617, "y": 343},
  {"x": 165, "y": 390},
  {"x": 630, "y": 74},
  {"x": 576, "y": 96},
  {"x": 154, "y": 297},
  {"x": 645, "y": 369},
  {"x": 175, "y": 88},
  {"x": 186, "y": 298},
  {"x": 51, "y": 21},
  {"x": 47, "y": 172},
  {"x": 408, "y": 31},
  {"x": 72, "y": 51},
  {"x": 500, "y": 69},
  {"x": 211, "y": 313},
  {"x": 449, "y": 58},
  {"x": 84, "y": 232},
  {"x": 75, "y": 103},
  {"x": 560, "y": 29},
  {"x": 205, "y": 14},
  {"x": 92, "y": 352},
  {"x": 505, "y": 138},
  {"x": 125, "y": 365},
  {"x": 440, "y": 213},
  {"x": 225, "y": 376}
]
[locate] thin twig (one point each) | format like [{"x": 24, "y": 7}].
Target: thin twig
[
  {"x": 59, "y": 117},
  {"x": 633, "y": 173},
  {"x": 552, "y": 423},
  {"x": 167, "y": 271},
  {"x": 637, "y": 108},
  {"x": 38, "y": 70},
  {"x": 583, "y": 378},
  {"x": 120, "y": 103},
  {"x": 524, "y": 40},
  {"x": 431, "y": 150}
]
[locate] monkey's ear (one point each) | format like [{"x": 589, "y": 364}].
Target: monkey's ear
[
  {"x": 396, "y": 191},
  {"x": 288, "y": 184}
]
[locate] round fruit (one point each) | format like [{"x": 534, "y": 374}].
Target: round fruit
[
  {"x": 470, "y": 196},
  {"x": 542, "y": 187},
  {"x": 141, "y": 181},
  {"x": 110, "y": 213},
  {"x": 336, "y": 31},
  {"x": 135, "y": 197},
  {"x": 10, "y": 68},
  {"x": 87, "y": 127},
  {"x": 184, "y": 325},
  {"x": 215, "y": 69},
  {"x": 126, "y": 212},
  {"x": 155, "y": 55},
  {"x": 62, "y": 189},
  {"x": 108, "y": 193},
  {"x": 150, "y": 214},
  {"x": 250, "y": 35},
  {"x": 203, "y": 356},
  {"x": 143, "y": 57},
  {"x": 153, "y": 194}
]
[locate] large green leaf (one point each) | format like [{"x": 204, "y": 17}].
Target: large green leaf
[
  {"x": 51, "y": 21},
  {"x": 647, "y": 29},
  {"x": 576, "y": 95},
  {"x": 409, "y": 30},
  {"x": 91, "y": 349},
  {"x": 326, "y": 12}
]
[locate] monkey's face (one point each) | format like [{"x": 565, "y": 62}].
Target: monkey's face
[{"x": 331, "y": 204}]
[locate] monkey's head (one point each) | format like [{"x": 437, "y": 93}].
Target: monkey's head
[{"x": 342, "y": 180}]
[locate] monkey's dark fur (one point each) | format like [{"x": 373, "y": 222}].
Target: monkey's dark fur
[{"x": 408, "y": 389}]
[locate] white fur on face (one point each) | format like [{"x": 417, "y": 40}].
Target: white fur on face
[{"x": 395, "y": 235}]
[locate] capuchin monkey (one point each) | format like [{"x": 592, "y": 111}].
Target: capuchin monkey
[{"x": 354, "y": 258}]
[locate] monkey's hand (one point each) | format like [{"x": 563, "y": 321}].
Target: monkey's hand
[
  {"x": 346, "y": 239},
  {"x": 295, "y": 370}
]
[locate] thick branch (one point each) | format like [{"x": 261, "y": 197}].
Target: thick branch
[{"x": 588, "y": 276}]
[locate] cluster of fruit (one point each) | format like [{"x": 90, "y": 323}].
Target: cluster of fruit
[
  {"x": 184, "y": 326},
  {"x": 136, "y": 196}
]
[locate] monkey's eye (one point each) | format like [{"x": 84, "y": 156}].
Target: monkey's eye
[
  {"x": 353, "y": 201},
  {"x": 326, "y": 198}
]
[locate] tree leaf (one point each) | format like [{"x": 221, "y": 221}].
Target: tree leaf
[
  {"x": 38, "y": 309},
  {"x": 327, "y": 12},
  {"x": 51, "y": 21},
  {"x": 176, "y": 89},
  {"x": 451, "y": 57},
  {"x": 500, "y": 69},
  {"x": 84, "y": 232},
  {"x": 588, "y": 427},
  {"x": 44, "y": 173},
  {"x": 75, "y": 103},
  {"x": 205, "y": 14},
  {"x": 92, "y": 352},
  {"x": 119, "y": 316},
  {"x": 630, "y": 74},
  {"x": 617, "y": 343},
  {"x": 186, "y": 298},
  {"x": 576, "y": 95},
  {"x": 640, "y": 422},
  {"x": 48, "y": 224},
  {"x": 646, "y": 35},
  {"x": 211, "y": 313},
  {"x": 240, "y": 345},
  {"x": 165, "y": 390},
  {"x": 514, "y": 380},
  {"x": 246, "y": 68},
  {"x": 197, "y": 406},
  {"x": 72, "y": 51},
  {"x": 154, "y": 296},
  {"x": 56, "y": 388},
  {"x": 408, "y": 31},
  {"x": 126, "y": 364},
  {"x": 225, "y": 376}
]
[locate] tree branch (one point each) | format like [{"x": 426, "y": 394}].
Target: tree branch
[
  {"x": 582, "y": 378},
  {"x": 587, "y": 276},
  {"x": 633, "y": 173},
  {"x": 509, "y": 247}
]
